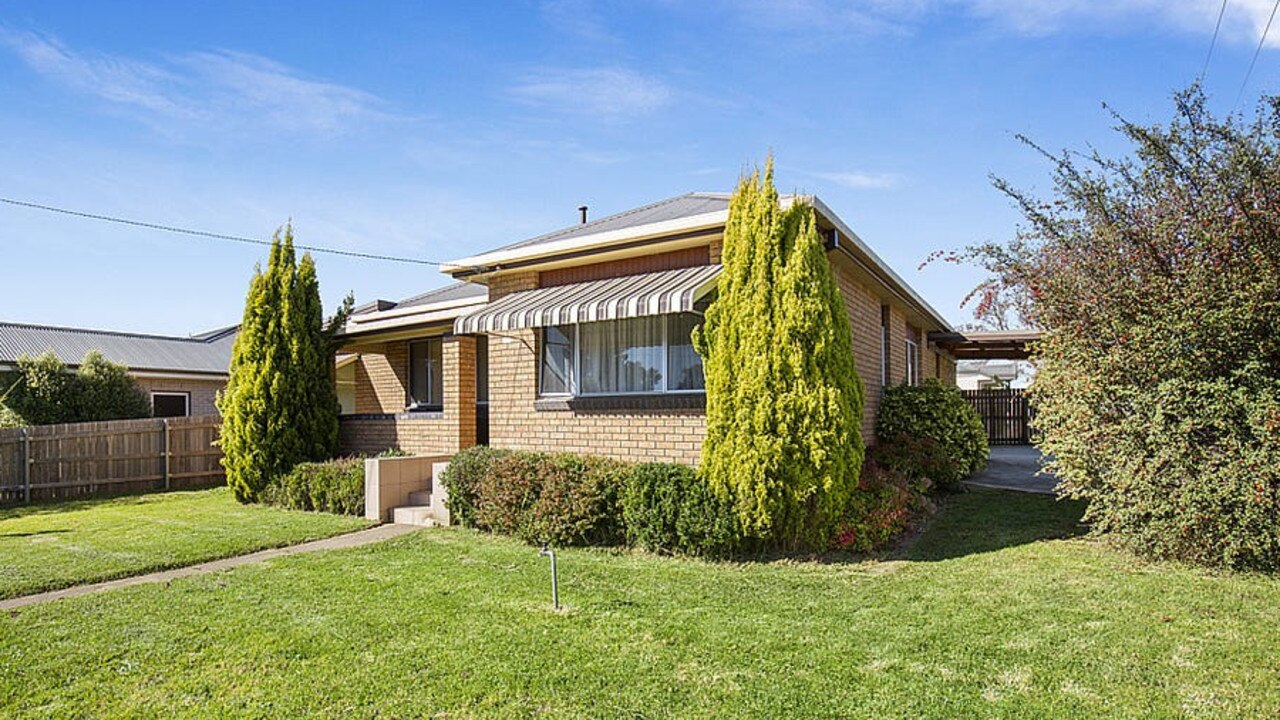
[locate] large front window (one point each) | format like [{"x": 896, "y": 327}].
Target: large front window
[
  {"x": 426, "y": 375},
  {"x": 621, "y": 357}
]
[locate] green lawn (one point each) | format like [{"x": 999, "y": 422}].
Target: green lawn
[
  {"x": 43, "y": 547},
  {"x": 984, "y": 618}
]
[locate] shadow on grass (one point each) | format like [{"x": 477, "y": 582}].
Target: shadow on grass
[
  {"x": 984, "y": 520},
  {"x": 33, "y": 533},
  {"x": 55, "y": 507}
]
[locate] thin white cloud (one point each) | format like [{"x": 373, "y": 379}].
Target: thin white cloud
[
  {"x": 612, "y": 92},
  {"x": 1243, "y": 22},
  {"x": 218, "y": 89},
  {"x": 857, "y": 180}
]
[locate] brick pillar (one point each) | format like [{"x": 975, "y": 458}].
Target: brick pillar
[{"x": 460, "y": 387}]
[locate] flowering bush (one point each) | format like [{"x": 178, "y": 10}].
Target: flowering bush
[
  {"x": 887, "y": 501},
  {"x": 1156, "y": 277},
  {"x": 557, "y": 499}
]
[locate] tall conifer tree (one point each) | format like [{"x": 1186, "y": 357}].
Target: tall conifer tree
[
  {"x": 784, "y": 399},
  {"x": 280, "y": 406}
]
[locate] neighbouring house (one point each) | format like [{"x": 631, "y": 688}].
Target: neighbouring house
[
  {"x": 579, "y": 340},
  {"x": 181, "y": 375},
  {"x": 992, "y": 374}
]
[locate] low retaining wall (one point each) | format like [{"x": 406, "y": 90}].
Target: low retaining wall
[{"x": 389, "y": 481}]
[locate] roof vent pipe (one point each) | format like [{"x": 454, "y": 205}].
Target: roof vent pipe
[{"x": 583, "y": 209}]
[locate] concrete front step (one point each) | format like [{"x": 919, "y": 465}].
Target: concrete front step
[
  {"x": 422, "y": 497},
  {"x": 420, "y": 515}
]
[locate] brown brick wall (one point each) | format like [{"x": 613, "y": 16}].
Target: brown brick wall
[
  {"x": 204, "y": 393},
  {"x": 382, "y": 377},
  {"x": 507, "y": 283},
  {"x": 639, "y": 436},
  {"x": 689, "y": 257},
  {"x": 414, "y": 433},
  {"x": 864, "y": 317},
  {"x": 381, "y": 422}
]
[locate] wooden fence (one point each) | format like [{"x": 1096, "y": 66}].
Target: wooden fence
[
  {"x": 1006, "y": 414},
  {"x": 51, "y": 462}
]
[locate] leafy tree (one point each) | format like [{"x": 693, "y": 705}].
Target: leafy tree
[
  {"x": 1156, "y": 275},
  {"x": 106, "y": 391},
  {"x": 784, "y": 400},
  {"x": 43, "y": 392},
  {"x": 280, "y": 407}
]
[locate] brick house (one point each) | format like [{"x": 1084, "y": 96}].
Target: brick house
[
  {"x": 181, "y": 375},
  {"x": 578, "y": 340}
]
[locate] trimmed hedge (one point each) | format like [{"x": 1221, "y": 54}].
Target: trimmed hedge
[
  {"x": 667, "y": 508},
  {"x": 462, "y": 480},
  {"x": 335, "y": 486},
  {"x": 559, "y": 499},
  {"x": 936, "y": 412}
]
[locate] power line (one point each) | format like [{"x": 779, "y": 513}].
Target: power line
[
  {"x": 1256, "y": 51},
  {"x": 209, "y": 235},
  {"x": 1216, "y": 26}
]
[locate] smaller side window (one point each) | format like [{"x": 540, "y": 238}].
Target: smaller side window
[
  {"x": 555, "y": 374},
  {"x": 913, "y": 362},
  {"x": 170, "y": 404},
  {"x": 426, "y": 374}
]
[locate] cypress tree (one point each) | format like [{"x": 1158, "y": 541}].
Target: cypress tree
[
  {"x": 279, "y": 407},
  {"x": 783, "y": 396}
]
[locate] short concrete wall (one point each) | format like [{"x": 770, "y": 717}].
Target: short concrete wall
[{"x": 388, "y": 482}]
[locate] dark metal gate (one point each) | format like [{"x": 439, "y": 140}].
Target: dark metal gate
[{"x": 1006, "y": 414}]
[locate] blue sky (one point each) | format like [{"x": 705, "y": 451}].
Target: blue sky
[{"x": 437, "y": 130}]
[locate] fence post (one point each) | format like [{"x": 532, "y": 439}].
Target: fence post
[
  {"x": 26, "y": 465},
  {"x": 165, "y": 432}
]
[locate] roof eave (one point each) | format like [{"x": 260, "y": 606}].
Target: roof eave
[{"x": 492, "y": 261}]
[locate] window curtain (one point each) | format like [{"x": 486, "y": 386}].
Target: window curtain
[
  {"x": 684, "y": 365},
  {"x": 624, "y": 356}
]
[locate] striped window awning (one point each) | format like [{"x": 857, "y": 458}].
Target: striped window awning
[{"x": 658, "y": 293}]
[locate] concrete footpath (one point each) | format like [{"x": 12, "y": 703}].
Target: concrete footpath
[
  {"x": 350, "y": 540},
  {"x": 1015, "y": 467}
]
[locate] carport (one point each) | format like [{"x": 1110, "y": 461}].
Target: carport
[{"x": 1005, "y": 412}]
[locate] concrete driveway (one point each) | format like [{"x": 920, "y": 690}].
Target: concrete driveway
[{"x": 1015, "y": 467}]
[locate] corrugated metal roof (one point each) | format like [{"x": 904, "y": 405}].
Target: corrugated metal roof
[
  {"x": 208, "y": 353},
  {"x": 452, "y": 292},
  {"x": 448, "y": 293},
  {"x": 659, "y": 293},
  {"x": 695, "y": 203}
]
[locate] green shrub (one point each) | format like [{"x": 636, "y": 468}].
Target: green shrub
[
  {"x": 936, "y": 411},
  {"x": 1196, "y": 474},
  {"x": 558, "y": 499},
  {"x": 43, "y": 392},
  {"x": 462, "y": 481},
  {"x": 336, "y": 486},
  {"x": 578, "y": 502},
  {"x": 668, "y": 508},
  {"x": 923, "y": 461}
]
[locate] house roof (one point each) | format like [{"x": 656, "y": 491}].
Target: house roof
[
  {"x": 458, "y": 291},
  {"x": 206, "y": 353},
  {"x": 700, "y": 209},
  {"x": 676, "y": 208},
  {"x": 988, "y": 344},
  {"x": 433, "y": 307},
  {"x": 683, "y": 215}
]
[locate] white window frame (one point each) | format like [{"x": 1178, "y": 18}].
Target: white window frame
[
  {"x": 913, "y": 362},
  {"x": 410, "y": 403},
  {"x": 576, "y": 367},
  {"x": 184, "y": 394}
]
